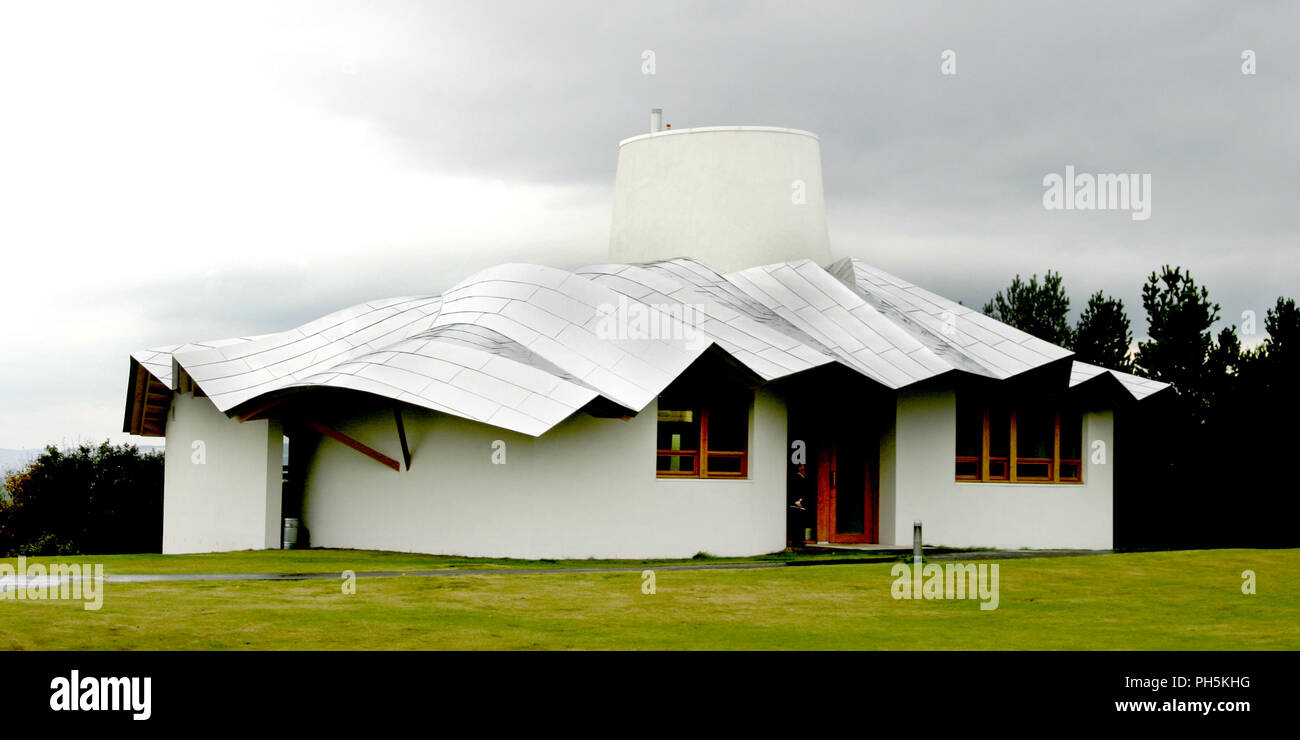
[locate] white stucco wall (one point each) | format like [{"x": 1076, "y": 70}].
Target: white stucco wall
[
  {"x": 586, "y": 488},
  {"x": 229, "y": 501},
  {"x": 722, "y": 195},
  {"x": 917, "y": 483}
]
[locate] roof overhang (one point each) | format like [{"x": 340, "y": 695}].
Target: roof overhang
[
  {"x": 148, "y": 401},
  {"x": 523, "y": 347}
]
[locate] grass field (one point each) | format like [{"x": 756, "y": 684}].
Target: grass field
[{"x": 1169, "y": 600}]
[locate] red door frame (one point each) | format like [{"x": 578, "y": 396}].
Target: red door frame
[{"x": 827, "y": 490}]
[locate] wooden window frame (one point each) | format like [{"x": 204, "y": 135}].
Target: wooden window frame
[
  {"x": 1014, "y": 460},
  {"x": 702, "y": 455}
]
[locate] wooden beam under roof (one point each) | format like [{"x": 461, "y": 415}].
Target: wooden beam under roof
[
  {"x": 157, "y": 402},
  {"x": 257, "y": 412},
  {"x": 142, "y": 378},
  {"x": 361, "y": 447}
]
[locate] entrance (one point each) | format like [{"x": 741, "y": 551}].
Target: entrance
[
  {"x": 847, "y": 499},
  {"x": 836, "y": 423}
]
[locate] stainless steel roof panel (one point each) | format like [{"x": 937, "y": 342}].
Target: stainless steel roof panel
[
  {"x": 395, "y": 376},
  {"x": 1138, "y": 387},
  {"x": 524, "y": 346}
]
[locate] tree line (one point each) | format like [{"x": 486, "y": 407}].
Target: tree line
[
  {"x": 1209, "y": 464},
  {"x": 101, "y": 499}
]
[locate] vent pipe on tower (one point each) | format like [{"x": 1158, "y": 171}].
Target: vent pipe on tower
[{"x": 656, "y": 120}]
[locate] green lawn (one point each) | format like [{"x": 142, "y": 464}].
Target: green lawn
[{"x": 1169, "y": 600}]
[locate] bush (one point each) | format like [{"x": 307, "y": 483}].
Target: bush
[{"x": 87, "y": 500}]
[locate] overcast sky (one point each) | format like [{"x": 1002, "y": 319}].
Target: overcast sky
[{"x": 186, "y": 171}]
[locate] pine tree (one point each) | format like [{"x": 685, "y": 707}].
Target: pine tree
[
  {"x": 1103, "y": 336},
  {"x": 1179, "y": 317},
  {"x": 1034, "y": 308}
]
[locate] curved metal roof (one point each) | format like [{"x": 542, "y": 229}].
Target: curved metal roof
[
  {"x": 1137, "y": 386},
  {"x": 523, "y": 346}
]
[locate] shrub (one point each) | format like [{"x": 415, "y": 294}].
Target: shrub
[{"x": 101, "y": 500}]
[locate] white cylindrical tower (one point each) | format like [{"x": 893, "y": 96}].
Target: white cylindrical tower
[{"x": 729, "y": 196}]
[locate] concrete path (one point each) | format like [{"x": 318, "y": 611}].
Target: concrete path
[
  {"x": 25, "y": 582},
  {"x": 150, "y": 578},
  {"x": 884, "y": 557},
  {"x": 1012, "y": 554}
]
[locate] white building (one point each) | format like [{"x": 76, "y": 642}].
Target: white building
[{"x": 651, "y": 407}]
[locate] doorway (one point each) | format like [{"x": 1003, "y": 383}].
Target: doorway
[
  {"x": 847, "y": 496},
  {"x": 836, "y": 424}
]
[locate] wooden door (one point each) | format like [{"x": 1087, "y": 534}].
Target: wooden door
[{"x": 847, "y": 502}]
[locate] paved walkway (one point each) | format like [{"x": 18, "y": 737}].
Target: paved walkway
[
  {"x": 1012, "y": 554},
  {"x": 335, "y": 575},
  {"x": 149, "y": 578},
  {"x": 25, "y": 582}
]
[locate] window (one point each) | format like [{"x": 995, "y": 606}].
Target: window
[
  {"x": 1035, "y": 435},
  {"x": 1071, "y": 454},
  {"x": 970, "y": 441},
  {"x": 1025, "y": 443},
  {"x": 703, "y": 437}
]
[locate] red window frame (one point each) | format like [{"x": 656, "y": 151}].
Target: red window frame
[
  {"x": 1007, "y": 469},
  {"x": 702, "y": 456}
]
